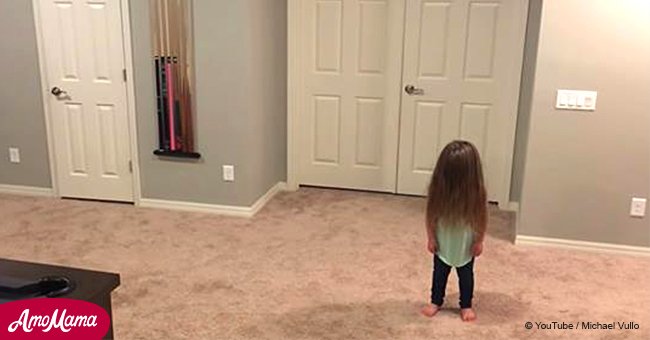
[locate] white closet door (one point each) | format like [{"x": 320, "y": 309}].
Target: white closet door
[
  {"x": 464, "y": 59},
  {"x": 84, "y": 58},
  {"x": 352, "y": 61}
]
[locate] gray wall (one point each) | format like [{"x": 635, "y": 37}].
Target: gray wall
[
  {"x": 525, "y": 98},
  {"x": 240, "y": 60},
  {"x": 22, "y": 123},
  {"x": 583, "y": 168},
  {"x": 267, "y": 135}
]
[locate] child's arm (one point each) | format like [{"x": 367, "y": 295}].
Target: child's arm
[
  {"x": 431, "y": 230},
  {"x": 479, "y": 236},
  {"x": 482, "y": 220},
  {"x": 431, "y": 241}
]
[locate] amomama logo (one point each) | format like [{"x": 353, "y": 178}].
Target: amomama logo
[{"x": 53, "y": 319}]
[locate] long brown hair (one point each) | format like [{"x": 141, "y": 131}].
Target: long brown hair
[{"x": 457, "y": 191}]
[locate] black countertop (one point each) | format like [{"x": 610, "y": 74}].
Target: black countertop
[{"x": 89, "y": 284}]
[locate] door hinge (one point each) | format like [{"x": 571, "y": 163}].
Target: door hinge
[
  {"x": 130, "y": 166},
  {"x": 124, "y": 74}
]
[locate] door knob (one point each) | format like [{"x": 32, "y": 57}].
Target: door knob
[
  {"x": 57, "y": 91},
  {"x": 413, "y": 91}
]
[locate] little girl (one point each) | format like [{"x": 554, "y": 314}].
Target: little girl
[{"x": 456, "y": 220}]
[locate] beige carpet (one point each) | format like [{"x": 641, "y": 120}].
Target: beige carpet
[{"x": 318, "y": 264}]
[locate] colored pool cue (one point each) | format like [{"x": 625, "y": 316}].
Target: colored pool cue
[
  {"x": 170, "y": 108},
  {"x": 163, "y": 101},
  {"x": 177, "y": 110},
  {"x": 185, "y": 57},
  {"x": 159, "y": 107}
]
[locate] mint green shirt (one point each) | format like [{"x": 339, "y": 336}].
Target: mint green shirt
[{"x": 454, "y": 244}]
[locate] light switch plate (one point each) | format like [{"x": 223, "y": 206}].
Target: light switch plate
[
  {"x": 14, "y": 155},
  {"x": 637, "y": 209},
  {"x": 576, "y": 100}
]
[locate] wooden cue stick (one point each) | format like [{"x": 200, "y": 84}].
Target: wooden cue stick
[
  {"x": 164, "y": 53},
  {"x": 176, "y": 69},
  {"x": 162, "y": 33},
  {"x": 182, "y": 19},
  {"x": 172, "y": 26},
  {"x": 154, "y": 46},
  {"x": 153, "y": 13},
  {"x": 161, "y": 30},
  {"x": 188, "y": 70},
  {"x": 169, "y": 85},
  {"x": 181, "y": 66},
  {"x": 166, "y": 27}
]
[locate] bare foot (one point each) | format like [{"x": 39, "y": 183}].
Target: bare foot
[
  {"x": 430, "y": 310},
  {"x": 467, "y": 314}
]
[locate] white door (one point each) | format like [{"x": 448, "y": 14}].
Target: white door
[
  {"x": 352, "y": 57},
  {"x": 84, "y": 59},
  {"x": 463, "y": 59}
]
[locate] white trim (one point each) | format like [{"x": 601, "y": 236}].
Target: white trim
[
  {"x": 295, "y": 90},
  {"x": 130, "y": 97},
  {"x": 514, "y": 108},
  {"x": 512, "y": 206},
  {"x": 262, "y": 201},
  {"x": 26, "y": 190},
  {"x": 231, "y": 210},
  {"x": 582, "y": 245},
  {"x": 45, "y": 96},
  {"x": 130, "y": 100}
]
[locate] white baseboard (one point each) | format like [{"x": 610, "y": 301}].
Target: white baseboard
[
  {"x": 261, "y": 202},
  {"x": 230, "y": 210},
  {"x": 26, "y": 190},
  {"x": 582, "y": 245}
]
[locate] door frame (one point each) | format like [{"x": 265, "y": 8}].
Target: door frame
[
  {"x": 295, "y": 93},
  {"x": 130, "y": 98},
  {"x": 295, "y": 86}
]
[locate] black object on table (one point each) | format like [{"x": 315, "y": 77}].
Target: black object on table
[{"x": 22, "y": 280}]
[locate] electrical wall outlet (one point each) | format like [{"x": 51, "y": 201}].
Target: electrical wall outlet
[
  {"x": 14, "y": 155},
  {"x": 229, "y": 173},
  {"x": 637, "y": 209}
]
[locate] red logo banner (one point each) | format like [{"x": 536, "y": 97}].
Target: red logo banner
[{"x": 58, "y": 318}]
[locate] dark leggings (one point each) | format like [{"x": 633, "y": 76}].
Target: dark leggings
[{"x": 465, "y": 282}]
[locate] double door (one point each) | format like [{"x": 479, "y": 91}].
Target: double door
[{"x": 387, "y": 83}]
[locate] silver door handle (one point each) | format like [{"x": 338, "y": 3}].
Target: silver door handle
[
  {"x": 413, "y": 91},
  {"x": 57, "y": 91}
]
